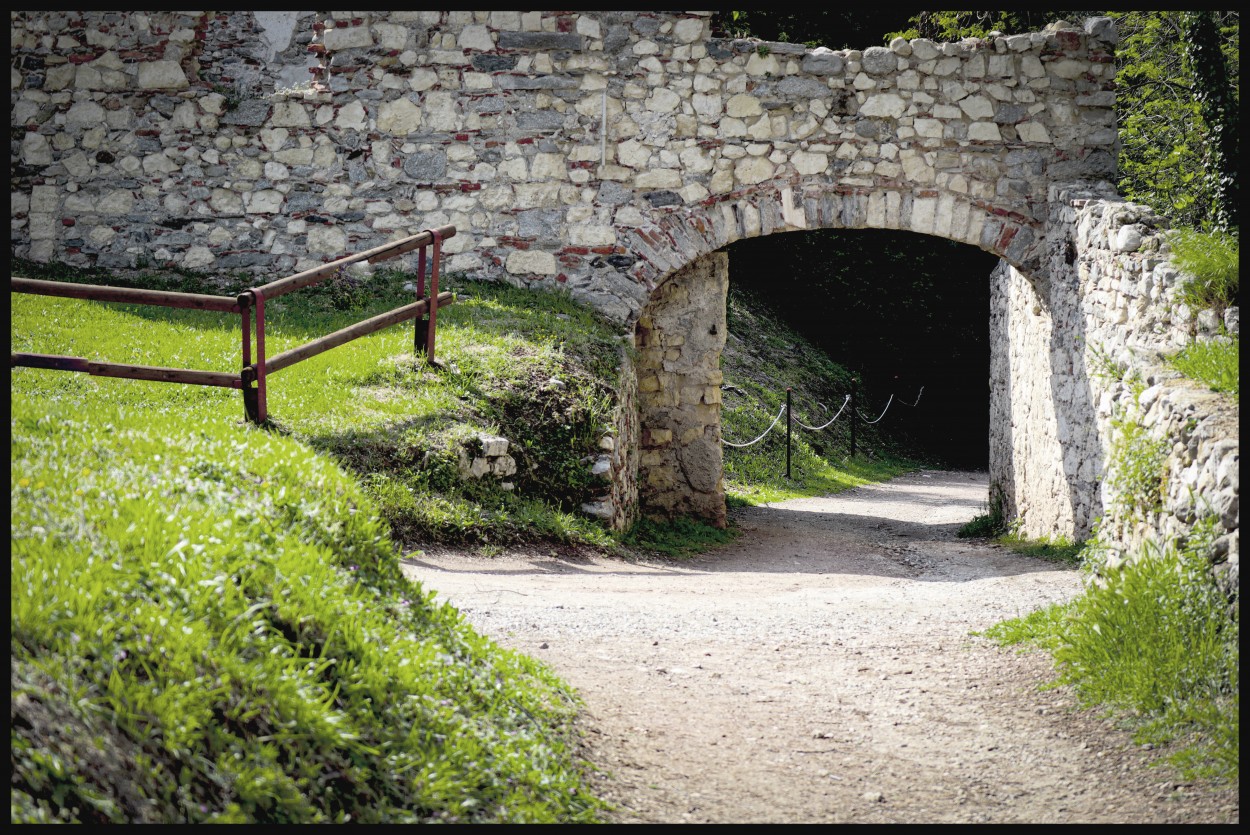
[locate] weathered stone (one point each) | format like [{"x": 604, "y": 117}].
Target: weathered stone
[
  {"x": 879, "y": 60},
  {"x": 823, "y": 63},
  {"x": 541, "y": 41},
  {"x": 429, "y": 166},
  {"x": 493, "y": 63}
]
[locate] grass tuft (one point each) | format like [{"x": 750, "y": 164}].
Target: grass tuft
[
  {"x": 1212, "y": 260},
  {"x": 678, "y": 538},
  {"x": 1153, "y": 641},
  {"x": 1215, "y": 363}
]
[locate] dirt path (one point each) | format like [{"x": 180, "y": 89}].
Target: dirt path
[{"x": 820, "y": 669}]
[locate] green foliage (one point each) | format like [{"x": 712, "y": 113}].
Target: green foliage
[
  {"x": 1153, "y": 641},
  {"x": 1215, "y": 363},
  {"x": 1154, "y": 638},
  {"x": 1058, "y": 549},
  {"x": 1137, "y": 460},
  {"x": 946, "y": 27},
  {"x": 677, "y": 538},
  {"x": 1042, "y": 628},
  {"x": 209, "y": 624},
  {"x": 988, "y": 525},
  {"x": 1137, "y": 473},
  {"x": 1212, "y": 261},
  {"x": 831, "y": 26},
  {"x": 1164, "y": 146},
  {"x": 1217, "y": 103}
]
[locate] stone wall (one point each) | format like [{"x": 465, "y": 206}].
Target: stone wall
[
  {"x": 1080, "y": 348},
  {"x": 597, "y": 151},
  {"x": 612, "y": 154}
]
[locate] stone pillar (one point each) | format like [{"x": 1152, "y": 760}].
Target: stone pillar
[{"x": 679, "y": 338}]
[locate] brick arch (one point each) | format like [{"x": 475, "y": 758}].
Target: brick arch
[{"x": 672, "y": 240}]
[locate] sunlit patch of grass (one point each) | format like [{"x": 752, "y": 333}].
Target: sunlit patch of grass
[
  {"x": 209, "y": 623},
  {"x": 1058, "y": 549},
  {"x": 534, "y": 367}
]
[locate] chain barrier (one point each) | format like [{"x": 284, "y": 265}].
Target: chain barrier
[
  {"x": 792, "y": 419},
  {"x": 781, "y": 412},
  {"x": 831, "y": 420}
]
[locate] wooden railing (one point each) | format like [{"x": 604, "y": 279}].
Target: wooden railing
[{"x": 253, "y": 377}]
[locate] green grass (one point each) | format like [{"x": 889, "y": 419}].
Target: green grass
[
  {"x": 1213, "y": 264},
  {"x": 678, "y": 538},
  {"x": 209, "y": 623},
  {"x": 533, "y": 367},
  {"x": 208, "y": 619},
  {"x": 1059, "y": 549},
  {"x": 1215, "y": 363},
  {"x": 1152, "y": 642},
  {"x": 993, "y": 525},
  {"x": 989, "y": 525}
]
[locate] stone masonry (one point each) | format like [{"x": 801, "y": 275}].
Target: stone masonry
[
  {"x": 597, "y": 151},
  {"x": 679, "y": 339}
]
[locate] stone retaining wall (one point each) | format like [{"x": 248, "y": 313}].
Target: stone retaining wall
[{"x": 1080, "y": 350}]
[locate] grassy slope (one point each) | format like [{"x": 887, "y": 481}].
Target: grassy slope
[
  {"x": 209, "y": 623},
  {"x": 208, "y": 620}
]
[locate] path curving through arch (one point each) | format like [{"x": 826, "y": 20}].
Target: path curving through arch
[{"x": 821, "y": 670}]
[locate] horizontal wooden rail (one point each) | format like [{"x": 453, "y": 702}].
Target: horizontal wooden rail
[
  {"x": 101, "y": 293},
  {"x": 322, "y": 344},
  {"x": 380, "y": 253},
  {"x": 223, "y": 379},
  {"x": 251, "y": 378}
]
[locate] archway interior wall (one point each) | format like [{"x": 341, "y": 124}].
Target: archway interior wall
[
  {"x": 584, "y": 150},
  {"x": 1075, "y": 350},
  {"x": 679, "y": 337}
]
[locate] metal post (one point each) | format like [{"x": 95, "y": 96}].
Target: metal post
[
  {"x": 854, "y": 415},
  {"x": 789, "y": 423}
]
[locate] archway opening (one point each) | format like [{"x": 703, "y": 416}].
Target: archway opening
[{"x": 907, "y": 313}]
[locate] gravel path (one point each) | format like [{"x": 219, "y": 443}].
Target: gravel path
[{"x": 821, "y": 669}]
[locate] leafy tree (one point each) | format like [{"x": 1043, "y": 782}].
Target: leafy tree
[
  {"x": 1164, "y": 146},
  {"x": 1217, "y": 105}
]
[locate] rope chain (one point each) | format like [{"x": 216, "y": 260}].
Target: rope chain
[{"x": 831, "y": 420}]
